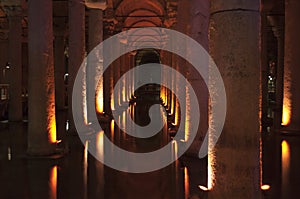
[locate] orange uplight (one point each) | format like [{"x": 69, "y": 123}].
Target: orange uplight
[
  {"x": 187, "y": 116},
  {"x": 286, "y": 112},
  {"x": 100, "y": 97},
  {"x": 286, "y": 109},
  {"x": 51, "y": 123},
  {"x": 265, "y": 187},
  {"x": 53, "y": 182}
]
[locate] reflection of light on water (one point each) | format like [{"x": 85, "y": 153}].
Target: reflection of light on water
[
  {"x": 285, "y": 163},
  {"x": 174, "y": 149},
  {"x": 85, "y": 167},
  {"x": 186, "y": 183},
  {"x": 53, "y": 182},
  {"x": 100, "y": 145},
  {"x": 9, "y": 153}
]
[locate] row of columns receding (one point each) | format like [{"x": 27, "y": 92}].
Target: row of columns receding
[{"x": 230, "y": 30}]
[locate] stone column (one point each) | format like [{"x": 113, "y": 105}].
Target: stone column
[
  {"x": 291, "y": 102},
  {"x": 194, "y": 22},
  {"x": 277, "y": 23},
  {"x": 76, "y": 52},
  {"x": 264, "y": 71},
  {"x": 14, "y": 13},
  {"x": 41, "y": 97},
  {"x": 234, "y": 45},
  {"x": 59, "y": 63},
  {"x": 95, "y": 31}
]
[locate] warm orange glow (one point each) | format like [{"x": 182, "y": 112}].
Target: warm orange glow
[
  {"x": 100, "y": 97},
  {"x": 203, "y": 188},
  {"x": 51, "y": 124},
  {"x": 286, "y": 112},
  {"x": 112, "y": 129},
  {"x": 124, "y": 91},
  {"x": 287, "y": 94},
  {"x": 265, "y": 187},
  {"x": 285, "y": 165},
  {"x": 100, "y": 145},
  {"x": 211, "y": 153},
  {"x": 285, "y": 156},
  {"x": 53, "y": 182},
  {"x": 186, "y": 183},
  {"x": 187, "y": 116},
  {"x": 211, "y": 173},
  {"x": 176, "y": 119},
  {"x": 174, "y": 149}
]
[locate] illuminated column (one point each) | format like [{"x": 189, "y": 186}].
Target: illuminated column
[
  {"x": 59, "y": 63},
  {"x": 291, "y": 102},
  {"x": 76, "y": 50},
  {"x": 95, "y": 30},
  {"x": 41, "y": 97},
  {"x": 277, "y": 23},
  {"x": 14, "y": 11},
  {"x": 234, "y": 44},
  {"x": 194, "y": 23}
]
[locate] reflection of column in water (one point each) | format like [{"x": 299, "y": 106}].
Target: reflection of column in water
[
  {"x": 285, "y": 164},
  {"x": 53, "y": 182},
  {"x": 186, "y": 183},
  {"x": 85, "y": 168}
]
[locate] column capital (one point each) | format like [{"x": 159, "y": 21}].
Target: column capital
[{"x": 12, "y": 7}]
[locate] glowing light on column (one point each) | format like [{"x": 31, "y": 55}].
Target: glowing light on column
[
  {"x": 286, "y": 109},
  {"x": 53, "y": 182},
  {"x": 51, "y": 120},
  {"x": 100, "y": 97},
  {"x": 187, "y": 115}
]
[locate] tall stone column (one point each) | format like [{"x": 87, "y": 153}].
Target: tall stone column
[
  {"x": 13, "y": 10},
  {"x": 234, "y": 45},
  {"x": 194, "y": 21},
  {"x": 59, "y": 63},
  {"x": 95, "y": 31},
  {"x": 41, "y": 97},
  {"x": 291, "y": 102},
  {"x": 76, "y": 52}
]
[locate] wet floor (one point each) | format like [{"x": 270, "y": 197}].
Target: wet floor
[{"x": 78, "y": 174}]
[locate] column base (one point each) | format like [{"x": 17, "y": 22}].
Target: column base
[{"x": 51, "y": 152}]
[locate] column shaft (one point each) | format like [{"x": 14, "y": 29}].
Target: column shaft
[
  {"x": 291, "y": 104},
  {"x": 76, "y": 52},
  {"x": 41, "y": 97},
  {"x": 15, "y": 71},
  {"x": 234, "y": 46}
]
